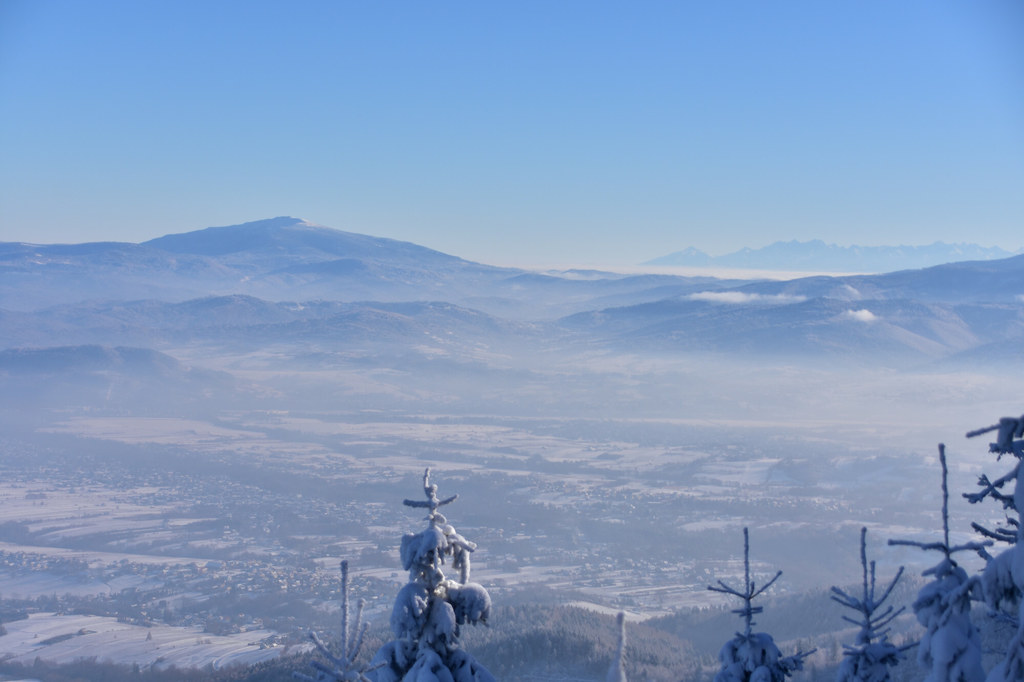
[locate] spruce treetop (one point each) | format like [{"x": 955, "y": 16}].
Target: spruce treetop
[
  {"x": 753, "y": 656},
  {"x": 342, "y": 667},
  {"x": 951, "y": 645},
  {"x": 947, "y": 549},
  {"x": 750, "y": 590},
  {"x": 873, "y": 655}
]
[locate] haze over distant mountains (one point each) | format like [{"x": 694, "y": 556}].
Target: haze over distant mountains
[
  {"x": 818, "y": 256},
  {"x": 288, "y": 283},
  {"x": 289, "y": 259}
]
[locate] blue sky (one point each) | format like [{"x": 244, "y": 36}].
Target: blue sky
[{"x": 517, "y": 132}]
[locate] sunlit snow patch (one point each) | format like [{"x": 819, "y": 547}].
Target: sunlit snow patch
[
  {"x": 737, "y": 297},
  {"x": 847, "y": 292}
]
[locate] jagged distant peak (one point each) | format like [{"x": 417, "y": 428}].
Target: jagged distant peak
[{"x": 819, "y": 255}]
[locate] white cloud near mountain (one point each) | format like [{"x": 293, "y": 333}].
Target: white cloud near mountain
[{"x": 861, "y": 315}]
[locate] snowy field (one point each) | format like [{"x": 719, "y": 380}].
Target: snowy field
[{"x": 64, "y": 639}]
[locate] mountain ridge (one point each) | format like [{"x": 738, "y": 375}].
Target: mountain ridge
[
  {"x": 284, "y": 234},
  {"x": 290, "y": 259},
  {"x": 288, "y": 281}
]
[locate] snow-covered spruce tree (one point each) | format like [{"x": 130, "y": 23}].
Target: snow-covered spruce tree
[
  {"x": 873, "y": 655},
  {"x": 951, "y": 646},
  {"x": 1002, "y": 581},
  {"x": 752, "y": 656},
  {"x": 617, "y": 670},
  {"x": 430, "y": 608},
  {"x": 343, "y": 667}
]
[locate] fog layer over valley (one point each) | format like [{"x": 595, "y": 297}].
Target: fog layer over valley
[{"x": 196, "y": 429}]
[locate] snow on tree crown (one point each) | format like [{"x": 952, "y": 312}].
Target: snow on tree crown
[{"x": 424, "y": 553}]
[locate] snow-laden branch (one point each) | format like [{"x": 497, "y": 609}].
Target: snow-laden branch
[{"x": 1002, "y": 580}]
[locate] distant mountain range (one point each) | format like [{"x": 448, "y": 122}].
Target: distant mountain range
[
  {"x": 289, "y": 259},
  {"x": 933, "y": 313},
  {"x": 306, "y": 290},
  {"x": 273, "y": 259},
  {"x": 817, "y": 256}
]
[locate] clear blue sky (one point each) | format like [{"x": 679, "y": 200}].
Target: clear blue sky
[{"x": 517, "y": 132}]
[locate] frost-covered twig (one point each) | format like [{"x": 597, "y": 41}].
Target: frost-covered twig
[
  {"x": 991, "y": 489},
  {"x": 998, "y": 535},
  {"x": 1008, "y": 441}
]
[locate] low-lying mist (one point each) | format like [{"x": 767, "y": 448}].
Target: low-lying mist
[{"x": 593, "y": 453}]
